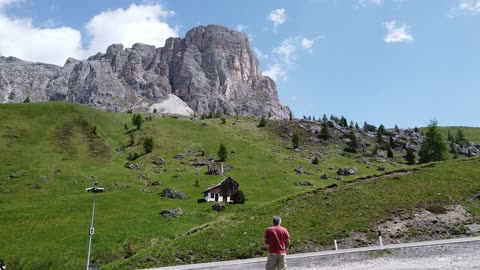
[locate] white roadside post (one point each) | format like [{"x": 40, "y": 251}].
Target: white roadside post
[
  {"x": 95, "y": 190},
  {"x": 335, "y": 242},
  {"x": 380, "y": 240}
]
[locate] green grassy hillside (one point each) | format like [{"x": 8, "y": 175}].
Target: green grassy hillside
[{"x": 51, "y": 152}]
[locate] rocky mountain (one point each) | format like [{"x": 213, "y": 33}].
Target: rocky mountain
[{"x": 211, "y": 69}]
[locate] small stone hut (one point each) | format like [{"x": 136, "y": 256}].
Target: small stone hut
[{"x": 221, "y": 192}]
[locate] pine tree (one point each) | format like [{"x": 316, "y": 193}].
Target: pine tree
[
  {"x": 290, "y": 116},
  {"x": 27, "y": 100},
  {"x": 381, "y": 129},
  {"x": 357, "y": 127},
  {"x": 132, "y": 138},
  {"x": 125, "y": 126},
  {"x": 315, "y": 161},
  {"x": 262, "y": 123},
  {"x": 343, "y": 121},
  {"x": 397, "y": 129},
  {"x": 449, "y": 137},
  {"x": 389, "y": 152},
  {"x": 410, "y": 157},
  {"x": 325, "y": 131},
  {"x": 324, "y": 118},
  {"x": 137, "y": 120},
  {"x": 295, "y": 141},
  {"x": 148, "y": 145},
  {"x": 460, "y": 138},
  {"x": 453, "y": 149},
  {"x": 416, "y": 129},
  {"x": 433, "y": 148},
  {"x": 222, "y": 153},
  {"x": 379, "y": 136},
  {"x": 353, "y": 145}
]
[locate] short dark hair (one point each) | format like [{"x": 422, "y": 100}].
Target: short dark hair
[{"x": 277, "y": 220}]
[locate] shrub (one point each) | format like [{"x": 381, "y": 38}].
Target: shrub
[
  {"x": 148, "y": 145},
  {"x": 239, "y": 197},
  {"x": 262, "y": 123},
  {"x": 222, "y": 153}
]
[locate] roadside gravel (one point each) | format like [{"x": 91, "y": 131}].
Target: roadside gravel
[{"x": 452, "y": 256}]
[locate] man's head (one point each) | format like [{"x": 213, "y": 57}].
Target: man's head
[{"x": 277, "y": 220}]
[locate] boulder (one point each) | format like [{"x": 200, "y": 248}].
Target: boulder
[
  {"x": 132, "y": 166},
  {"x": 218, "y": 207},
  {"x": 304, "y": 183},
  {"x": 173, "y": 194},
  {"x": 324, "y": 177},
  {"x": 299, "y": 170},
  {"x": 172, "y": 213},
  {"x": 347, "y": 171}
]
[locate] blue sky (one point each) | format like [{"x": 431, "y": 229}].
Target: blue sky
[{"x": 389, "y": 62}]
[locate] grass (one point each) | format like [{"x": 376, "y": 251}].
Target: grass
[{"x": 50, "y": 154}]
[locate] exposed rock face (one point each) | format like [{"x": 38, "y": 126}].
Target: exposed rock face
[{"x": 211, "y": 69}]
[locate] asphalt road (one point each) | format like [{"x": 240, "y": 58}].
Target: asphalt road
[{"x": 455, "y": 254}]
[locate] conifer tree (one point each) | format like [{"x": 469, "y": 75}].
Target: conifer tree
[
  {"x": 290, "y": 116},
  {"x": 324, "y": 118},
  {"x": 148, "y": 145},
  {"x": 433, "y": 148},
  {"x": 357, "y": 127},
  {"x": 315, "y": 161},
  {"x": 389, "y": 152},
  {"x": 353, "y": 145},
  {"x": 27, "y": 100},
  {"x": 137, "y": 120},
  {"x": 410, "y": 157},
  {"x": 397, "y": 129},
  {"x": 295, "y": 141},
  {"x": 324, "y": 131},
  {"x": 460, "y": 138},
  {"x": 222, "y": 152},
  {"x": 453, "y": 149},
  {"x": 262, "y": 123}
]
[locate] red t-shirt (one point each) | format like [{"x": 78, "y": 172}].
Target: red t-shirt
[{"x": 277, "y": 238}]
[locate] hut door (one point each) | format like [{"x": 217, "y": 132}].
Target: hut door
[{"x": 216, "y": 197}]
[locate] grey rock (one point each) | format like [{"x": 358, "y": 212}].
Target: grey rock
[
  {"x": 211, "y": 69},
  {"x": 304, "y": 183},
  {"x": 173, "y": 194},
  {"x": 299, "y": 170},
  {"x": 347, "y": 171},
  {"x": 172, "y": 213},
  {"x": 218, "y": 207},
  {"x": 324, "y": 177},
  {"x": 132, "y": 166}
]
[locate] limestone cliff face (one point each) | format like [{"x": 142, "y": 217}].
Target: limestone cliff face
[{"x": 211, "y": 69}]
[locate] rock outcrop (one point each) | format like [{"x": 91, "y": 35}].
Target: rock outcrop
[{"x": 211, "y": 69}]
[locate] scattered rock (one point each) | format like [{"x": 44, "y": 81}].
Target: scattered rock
[
  {"x": 132, "y": 166},
  {"x": 304, "y": 184},
  {"x": 308, "y": 172},
  {"x": 200, "y": 162},
  {"x": 172, "y": 213},
  {"x": 473, "y": 228},
  {"x": 382, "y": 169},
  {"x": 179, "y": 156},
  {"x": 46, "y": 179},
  {"x": 218, "y": 207},
  {"x": 347, "y": 171},
  {"x": 340, "y": 178},
  {"x": 120, "y": 150},
  {"x": 324, "y": 177},
  {"x": 159, "y": 161},
  {"x": 156, "y": 183},
  {"x": 204, "y": 124},
  {"x": 18, "y": 174},
  {"x": 299, "y": 170},
  {"x": 173, "y": 194}
]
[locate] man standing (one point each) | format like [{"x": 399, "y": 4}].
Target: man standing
[{"x": 277, "y": 239}]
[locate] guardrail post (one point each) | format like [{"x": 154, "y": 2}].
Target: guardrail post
[{"x": 335, "y": 242}]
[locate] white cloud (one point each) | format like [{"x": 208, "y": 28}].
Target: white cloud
[
  {"x": 278, "y": 17},
  {"x": 260, "y": 55},
  {"x": 307, "y": 44},
  {"x": 4, "y": 3},
  {"x": 286, "y": 51},
  {"x": 276, "y": 72},
  {"x": 366, "y": 3},
  {"x": 284, "y": 56},
  {"x": 19, "y": 38},
  {"x": 240, "y": 27},
  {"x": 138, "y": 23},
  {"x": 465, "y": 7},
  {"x": 397, "y": 33}
]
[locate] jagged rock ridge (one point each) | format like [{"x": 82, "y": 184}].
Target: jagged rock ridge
[{"x": 211, "y": 69}]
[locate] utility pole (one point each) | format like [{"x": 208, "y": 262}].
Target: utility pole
[{"x": 95, "y": 189}]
